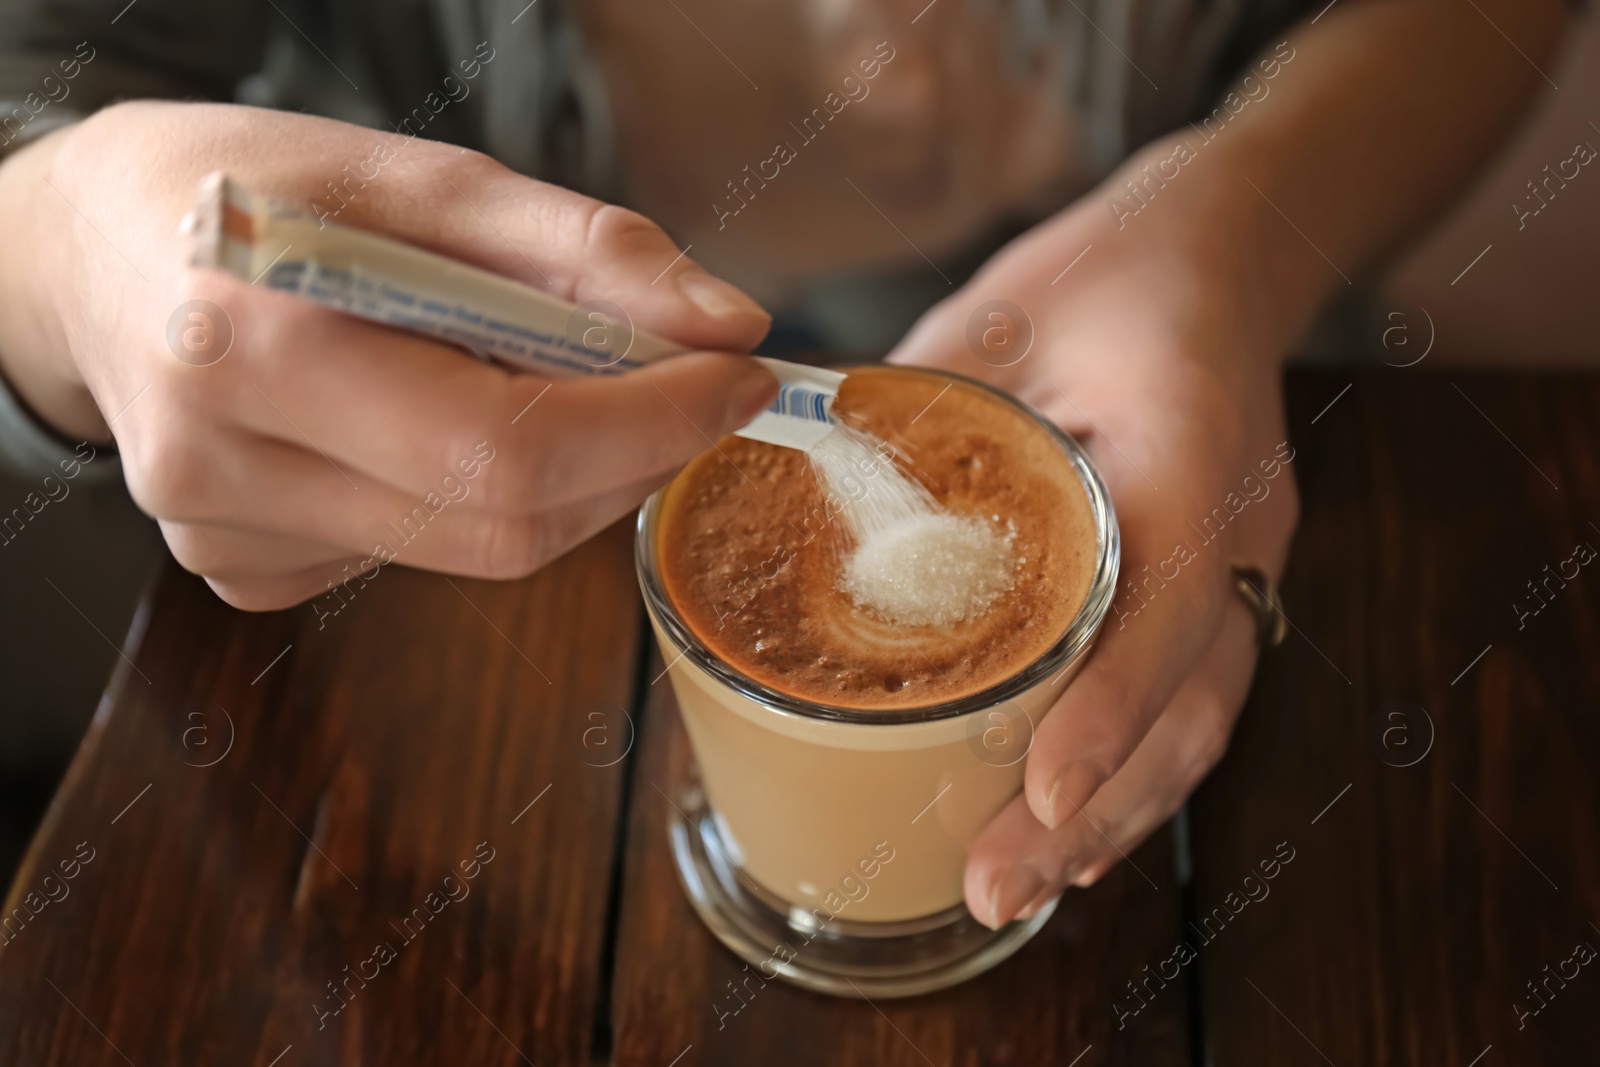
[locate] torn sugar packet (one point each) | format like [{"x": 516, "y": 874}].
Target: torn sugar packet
[{"x": 802, "y": 413}]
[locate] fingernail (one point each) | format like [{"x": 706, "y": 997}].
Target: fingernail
[
  {"x": 748, "y": 398},
  {"x": 1070, "y": 792},
  {"x": 1035, "y": 904},
  {"x": 716, "y": 297},
  {"x": 1012, "y": 892},
  {"x": 1090, "y": 876}
]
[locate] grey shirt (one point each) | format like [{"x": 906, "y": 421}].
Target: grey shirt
[
  {"x": 540, "y": 113},
  {"x": 543, "y": 110}
]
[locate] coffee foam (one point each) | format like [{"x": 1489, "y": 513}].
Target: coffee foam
[{"x": 755, "y": 556}]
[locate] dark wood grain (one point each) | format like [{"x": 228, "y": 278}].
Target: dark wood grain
[
  {"x": 1049, "y": 1004},
  {"x": 1420, "y": 903},
  {"x": 390, "y": 743},
  {"x": 424, "y": 719}
]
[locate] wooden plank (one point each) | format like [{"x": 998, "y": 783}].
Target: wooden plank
[
  {"x": 1049, "y": 1004},
  {"x": 428, "y": 725},
  {"x": 1425, "y": 897}
]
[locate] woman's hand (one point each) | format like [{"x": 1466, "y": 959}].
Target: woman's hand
[
  {"x": 1160, "y": 349},
  {"x": 318, "y": 437},
  {"x": 1147, "y": 352}
]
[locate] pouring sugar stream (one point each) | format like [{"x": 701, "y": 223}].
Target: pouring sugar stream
[{"x": 909, "y": 559}]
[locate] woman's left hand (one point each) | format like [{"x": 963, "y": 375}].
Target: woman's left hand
[{"x": 1156, "y": 353}]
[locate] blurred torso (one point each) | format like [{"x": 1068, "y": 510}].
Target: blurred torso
[{"x": 791, "y": 140}]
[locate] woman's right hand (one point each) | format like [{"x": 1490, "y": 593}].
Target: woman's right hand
[{"x": 318, "y": 436}]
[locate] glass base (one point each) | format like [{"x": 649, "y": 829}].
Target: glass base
[{"x": 851, "y": 959}]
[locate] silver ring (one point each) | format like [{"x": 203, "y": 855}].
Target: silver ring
[{"x": 1260, "y": 595}]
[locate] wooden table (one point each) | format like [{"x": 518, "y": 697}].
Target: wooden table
[{"x": 263, "y": 800}]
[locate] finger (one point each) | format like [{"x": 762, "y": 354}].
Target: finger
[
  {"x": 230, "y": 554},
  {"x": 1147, "y": 784},
  {"x": 261, "y": 572},
  {"x": 584, "y": 250},
  {"x": 408, "y": 410},
  {"x": 216, "y": 530},
  {"x": 574, "y": 246},
  {"x": 274, "y": 593},
  {"x": 466, "y": 205},
  {"x": 1164, "y": 614},
  {"x": 243, "y": 482},
  {"x": 1175, "y": 485},
  {"x": 1018, "y": 863}
]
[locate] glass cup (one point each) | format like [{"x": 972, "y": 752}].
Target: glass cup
[{"x": 826, "y": 845}]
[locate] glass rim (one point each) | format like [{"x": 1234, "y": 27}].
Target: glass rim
[{"x": 1077, "y": 636}]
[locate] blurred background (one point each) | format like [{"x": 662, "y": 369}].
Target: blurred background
[{"x": 1530, "y": 305}]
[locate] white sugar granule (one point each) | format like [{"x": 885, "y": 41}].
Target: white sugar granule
[
  {"x": 931, "y": 570},
  {"x": 907, "y": 558}
]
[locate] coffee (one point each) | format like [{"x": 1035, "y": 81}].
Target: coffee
[
  {"x": 754, "y": 554},
  {"x": 823, "y": 730}
]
